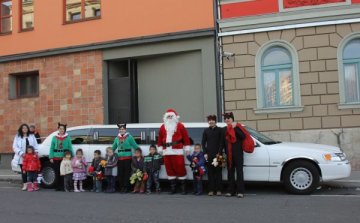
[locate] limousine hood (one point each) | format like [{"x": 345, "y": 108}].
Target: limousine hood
[{"x": 308, "y": 146}]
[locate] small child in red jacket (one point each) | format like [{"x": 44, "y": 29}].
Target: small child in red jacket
[{"x": 31, "y": 166}]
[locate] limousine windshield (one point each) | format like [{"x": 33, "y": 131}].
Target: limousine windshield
[{"x": 260, "y": 137}]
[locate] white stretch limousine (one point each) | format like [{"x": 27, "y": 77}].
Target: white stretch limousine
[{"x": 300, "y": 166}]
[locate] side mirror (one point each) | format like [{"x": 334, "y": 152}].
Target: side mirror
[{"x": 96, "y": 136}]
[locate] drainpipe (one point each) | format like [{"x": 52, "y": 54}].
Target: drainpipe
[{"x": 218, "y": 62}]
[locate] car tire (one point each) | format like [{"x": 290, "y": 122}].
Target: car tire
[
  {"x": 49, "y": 175},
  {"x": 301, "y": 177}
]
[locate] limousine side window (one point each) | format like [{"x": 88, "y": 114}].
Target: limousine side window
[
  {"x": 195, "y": 135},
  {"x": 107, "y": 135},
  {"x": 79, "y": 136}
]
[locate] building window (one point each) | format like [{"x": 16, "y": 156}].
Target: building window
[
  {"x": 277, "y": 78},
  {"x": 24, "y": 85},
  {"x": 78, "y": 10},
  {"x": 6, "y": 16},
  {"x": 27, "y": 15},
  {"x": 349, "y": 72}
]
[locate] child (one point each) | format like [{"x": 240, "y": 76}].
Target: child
[
  {"x": 97, "y": 169},
  {"x": 197, "y": 165},
  {"x": 31, "y": 165},
  {"x": 137, "y": 163},
  {"x": 110, "y": 169},
  {"x": 66, "y": 170},
  {"x": 152, "y": 165},
  {"x": 79, "y": 164}
]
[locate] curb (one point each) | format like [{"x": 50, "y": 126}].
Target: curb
[{"x": 343, "y": 184}]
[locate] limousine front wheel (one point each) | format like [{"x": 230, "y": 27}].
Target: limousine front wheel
[
  {"x": 301, "y": 177},
  {"x": 49, "y": 175}
]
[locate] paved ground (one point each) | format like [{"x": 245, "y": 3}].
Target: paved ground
[{"x": 262, "y": 203}]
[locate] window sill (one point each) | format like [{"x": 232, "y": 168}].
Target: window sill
[
  {"x": 26, "y": 30},
  {"x": 24, "y": 97},
  {"x": 4, "y": 34},
  {"x": 290, "y": 109},
  {"x": 81, "y": 20},
  {"x": 354, "y": 105}
]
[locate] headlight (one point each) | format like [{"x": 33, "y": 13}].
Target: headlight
[{"x": 335, "y": 157}]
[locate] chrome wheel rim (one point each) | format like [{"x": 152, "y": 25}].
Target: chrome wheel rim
[
  {"x": 48, "y": 176},
  {"x": 301, "y": 178}
]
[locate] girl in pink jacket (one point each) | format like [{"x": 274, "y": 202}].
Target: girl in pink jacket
[{"x": 79, "y": 165}]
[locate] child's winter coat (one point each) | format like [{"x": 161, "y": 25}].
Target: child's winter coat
[
  {"x": 137, "y": 164},
  {"x": 78, "y": 165},
  {"x": 152, "y": 163},
  {"x": 111, "y": 165},
  {"x": 199, "y": 161},
  {"x": 66, "y": 167},
  {"x": 31, "y": 162}
]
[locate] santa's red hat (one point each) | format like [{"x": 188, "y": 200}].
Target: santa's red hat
[{"x": 172, "y": 112}]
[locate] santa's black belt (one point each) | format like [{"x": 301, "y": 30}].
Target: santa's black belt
[
  {"x": 125, "y": 150},
  {"x": 168, "y": 144}
]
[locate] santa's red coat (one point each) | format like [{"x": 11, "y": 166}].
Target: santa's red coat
[{"x": 180, "y": 134}]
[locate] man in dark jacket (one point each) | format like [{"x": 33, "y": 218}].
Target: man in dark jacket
[
  {"x": 235, "y": 155},
  {"x": 36, "y": 133},
  {"x": 210, "y": 144}
]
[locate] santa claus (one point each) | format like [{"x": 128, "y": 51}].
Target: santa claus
[{"x": 173, "y": 141}]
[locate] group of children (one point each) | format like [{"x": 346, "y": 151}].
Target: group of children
[
  {"x": 107, "y": 167},
  {"x": 73, "y": 169}
]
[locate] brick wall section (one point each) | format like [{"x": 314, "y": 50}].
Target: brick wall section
[
  {"x": 317, "y": 51},
  {"x": 70, "y": 91}
]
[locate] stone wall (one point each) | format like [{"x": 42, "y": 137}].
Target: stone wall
[
  {"x": 317, "y": 51},
  {"x": 70, "y": 91}
]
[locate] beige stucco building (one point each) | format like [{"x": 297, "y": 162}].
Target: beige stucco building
[{"x": 295, "y": 74}]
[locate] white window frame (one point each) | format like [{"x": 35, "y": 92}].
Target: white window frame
[
  {"x": 296, "y": 107},
  {"x": 340, "y": 54}
]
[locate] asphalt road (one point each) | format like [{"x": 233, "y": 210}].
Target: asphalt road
[{"x": 262, "y": 203}]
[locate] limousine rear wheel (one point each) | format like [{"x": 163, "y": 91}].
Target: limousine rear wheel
[
  {"x": 49, "y": 175},
  {"x": 301, "y": 177}
]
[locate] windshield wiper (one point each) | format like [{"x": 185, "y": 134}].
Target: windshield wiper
[{"x": 272, "y": 142}]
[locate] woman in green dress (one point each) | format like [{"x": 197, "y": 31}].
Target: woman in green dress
[
  {"x": 124, "y": 143},
  {"x": 59, "y": 144}
]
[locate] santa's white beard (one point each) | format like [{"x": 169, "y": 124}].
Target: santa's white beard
[{"x": 170, "y": 127}]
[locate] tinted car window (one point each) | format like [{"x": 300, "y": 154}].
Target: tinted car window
[
  {"x": 107, "y": 136},
  {"x": 79, "y": 136}
]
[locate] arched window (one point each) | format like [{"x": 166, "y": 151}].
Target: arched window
[
  {"x": 277, "y": 78},
  {"x": 349, "y": 71}
]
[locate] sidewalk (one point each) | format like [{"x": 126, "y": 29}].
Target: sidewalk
[
  {"x": 352, "y": 182},
  {"x": 9, "y": 176}
]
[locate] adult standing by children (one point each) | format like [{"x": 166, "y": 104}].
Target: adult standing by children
[
  {"x": 59, "y": 144},
  {"x": 36, "y": 133},
  {"x": 173, "y": 140},
  {"x": 123, "y": 143},
  {"x": 210, "y": 144},
  {"x": 22, "y": 139},
  {"x": 231, "y": 140}
]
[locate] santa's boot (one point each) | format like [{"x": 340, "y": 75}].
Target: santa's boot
[
  {"x": 183, "y": 187},
  {"x": 173, "y": 186}
]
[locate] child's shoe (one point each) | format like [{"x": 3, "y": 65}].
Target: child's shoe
[
  {"x": 82, "y": 190},
  {"x": 141, "y": 191},
  {"x": 76, "y": 190},
  {"x": 148, "y": 191},
  {"x": 29, "y": 187},
  {"x": 158, "y": 191},
  {"x": 111, "y": 191},
  {"x": 198, "y": 194},
  {"x": 36, "y": 186},
  {"x": 194, "y": 193},
  {"x": 135, "y": 191}
]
